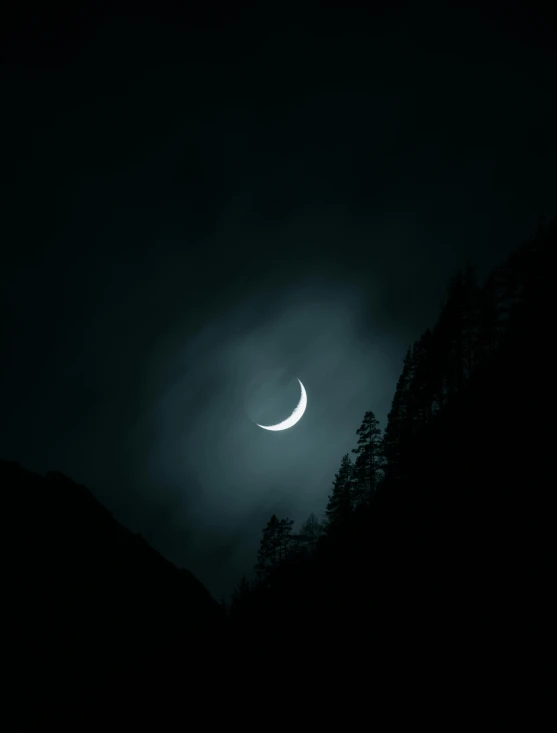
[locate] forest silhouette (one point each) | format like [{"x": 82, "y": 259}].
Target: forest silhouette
[{"x": 433, "y": 551}]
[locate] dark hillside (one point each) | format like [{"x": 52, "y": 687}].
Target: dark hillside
[
  {"x": 446, "y": 571},
  {"x": 442, "y": 574},
  {"x": 91, "y": 605}
]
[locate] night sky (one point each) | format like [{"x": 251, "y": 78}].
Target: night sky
[{"x": 198, "y": 210}]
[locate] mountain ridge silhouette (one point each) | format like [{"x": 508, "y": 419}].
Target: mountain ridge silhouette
[{"x": 91, "y": 605}]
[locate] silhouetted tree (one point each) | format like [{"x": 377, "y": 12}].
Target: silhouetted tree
[
  {"x": 451, "y": 428},
  {"x": 309, "y": 534},
  {"x": 397, "y": 420},
  {"x": 284, "y": 537},
  {"x": 423, "y": 397},
  {"x": 368, "y": 460},
  {"x": 339, "y": 506},
  {"x": 269, "y": 550},
  {"x": 240, "y": 596}
]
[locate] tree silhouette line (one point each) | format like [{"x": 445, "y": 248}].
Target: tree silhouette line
[{"x": 481, "y": 329}]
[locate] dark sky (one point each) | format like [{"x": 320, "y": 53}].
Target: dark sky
[{"x": 197, "y": 210}]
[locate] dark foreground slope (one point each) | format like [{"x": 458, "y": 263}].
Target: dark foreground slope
[
  {"x": 91, "y": 606},
  {"x": 446, "y": 578}
]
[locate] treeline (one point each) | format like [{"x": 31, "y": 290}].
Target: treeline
[
  {"x": 475, "y": 325},
  {"x": 353, "y": 487}
]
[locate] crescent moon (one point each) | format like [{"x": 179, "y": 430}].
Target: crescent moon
[{"x": 294, "y": 417}]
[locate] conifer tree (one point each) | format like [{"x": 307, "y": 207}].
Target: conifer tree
[
  {"x": 367, "y": 464},
  {"x": 397, "y": 428},
  {"x": 240, "y": 596},
  {"x": 422, "y": 391},
  {"x": 309, "y": 534},
  {"x": 339, "y": 506},
  {"x": 284, "y": 538},
  {"x": 269, "y": 550}
]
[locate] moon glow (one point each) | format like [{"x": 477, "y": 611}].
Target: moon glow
[{"x": 294, "y": 417}]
